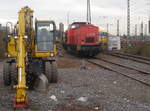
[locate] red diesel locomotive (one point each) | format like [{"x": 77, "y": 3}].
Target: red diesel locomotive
[{"x": 83, "y": 39}]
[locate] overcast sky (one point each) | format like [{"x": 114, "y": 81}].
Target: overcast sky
[{"x": 103, "y": 11}]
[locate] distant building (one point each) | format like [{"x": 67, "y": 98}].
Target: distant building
[{"x": 3, "y": 28}]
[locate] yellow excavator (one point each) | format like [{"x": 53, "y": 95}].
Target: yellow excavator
[{"x": 31, "y": 56}]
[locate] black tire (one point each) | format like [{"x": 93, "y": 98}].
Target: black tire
[
  {"x": 6, "y": 74},
  {"x": 54, "y": 73},
  {"x": 30, "y": 80},
  {"x": 14, "y": 74},
  {"x": 48, "y": 71}
]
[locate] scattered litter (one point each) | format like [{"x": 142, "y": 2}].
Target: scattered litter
[
  {"x": 53, "y": 97},
  {"x": 96, "y": 108},
  {"x": 115, "y": 82},
  {"x": 62, "y": 92},
  {"x": 125, "y": 99},
  {"x": 128, "y": 100},
  {"x": 83, "y": 99}
]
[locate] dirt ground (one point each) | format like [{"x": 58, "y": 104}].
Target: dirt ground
[{"x": 73, "y": 62}]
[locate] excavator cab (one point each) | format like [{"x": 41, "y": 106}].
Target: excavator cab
[
  {"x": 45, "y": 39},
  {"x": 44, "y": 53}
]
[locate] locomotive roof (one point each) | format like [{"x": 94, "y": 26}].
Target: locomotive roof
[{"x": 79, "y": 23}]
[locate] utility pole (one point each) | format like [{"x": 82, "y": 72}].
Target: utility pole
[
  {"x": 145, "y": 30},
  {"x": 107, "y": 30},
  {"x": 118, "y": 27},
  {"x": 149, "y": 26},
  {"x": 61, "y": 31},
  {"x": 135, "y": 30},
  {"x": 148, "y": 19},
  {"x": 88, "y": 11},
  {"x": 68, "y": 18},
  {"x": 141, "y": 29},
  {"x": 128, "y": 18}
]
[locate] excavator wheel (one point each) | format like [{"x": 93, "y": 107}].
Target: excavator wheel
[
  {"x": 6, "y": 74},
  {"x": 30, "y": 80},
  {"x": 14, "y": 74},
  {"x": 51, "y": 72},
  {"x": 54, "y": 73},
  {"x": 48, "y": 71}
]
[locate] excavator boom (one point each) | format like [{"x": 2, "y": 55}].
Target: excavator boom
[{"x": 25, "y": 17}]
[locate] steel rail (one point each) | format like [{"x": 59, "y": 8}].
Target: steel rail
[
  {"x": 136, "y": 69},
  {"x": 118, "y": 72}
]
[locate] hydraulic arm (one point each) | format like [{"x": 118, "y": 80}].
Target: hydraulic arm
[{"x": 24, "y": 23}]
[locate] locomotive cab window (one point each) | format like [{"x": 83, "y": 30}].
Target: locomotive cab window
[
  {"x": 74, "y": 26},
  {"x": 45, "y": 36}
]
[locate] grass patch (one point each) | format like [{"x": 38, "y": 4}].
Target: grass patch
[{"x": 140, "y": 48}]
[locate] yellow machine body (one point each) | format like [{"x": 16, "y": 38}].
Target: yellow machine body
[
  {"x": 24, "y": 46},
  {"x": 103, "y": 39},
  {"x": 11, "y": 47}
]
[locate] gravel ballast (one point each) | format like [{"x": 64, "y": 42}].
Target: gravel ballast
[{"x": 91, "y": 89}]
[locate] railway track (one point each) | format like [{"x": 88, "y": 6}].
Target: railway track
[
  {"x": 126, "y": 66},
  {"x": 136, "y": 58},
  {"x": 132, "y": 73}
]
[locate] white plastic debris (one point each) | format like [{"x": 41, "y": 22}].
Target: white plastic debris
[
  {"x": 96, "y": 108},
  {"x": 115, "y": 82},
  {"x": 83, "y": 99},
  {"x": 53, "y": 97},
  {"x": 125, "y": 99},
  {"x": 128, "y": 101}
]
